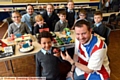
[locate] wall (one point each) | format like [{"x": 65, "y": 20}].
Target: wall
[
  {"x": 8, "y": 3},
  {"x": 3, "y": 2}
]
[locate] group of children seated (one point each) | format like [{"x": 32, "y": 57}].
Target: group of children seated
[{"x": 31, "y": 23}]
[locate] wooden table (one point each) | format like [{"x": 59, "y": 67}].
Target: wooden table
[
  {"x": 108, "y": 14},
  {"x": 19, "y": 54},
  {"x": 36, "y": 45}
]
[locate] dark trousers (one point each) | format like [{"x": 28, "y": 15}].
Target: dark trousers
[{"x": 32, "y": 32}]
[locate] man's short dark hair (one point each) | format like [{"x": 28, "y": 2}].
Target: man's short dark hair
[
  {"x": 82, "y": 22},
  {"x": 44, "y": 34}
]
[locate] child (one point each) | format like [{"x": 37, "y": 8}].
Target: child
[
  {"x": 50, "y": 17},
  {"x": 17, "y": 27},
  {"x": 28, "y": 18},
  {"x": 70, "y": 12},
  {"x": 62, "y": 23},
  {"x": 46, "y": 59},
  {"x": 98, "y": 27},
  {"x": 82, "y": 15},
  {"x": 40, "y": 24}
]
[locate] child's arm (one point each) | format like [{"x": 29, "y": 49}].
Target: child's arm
[
  {"x": 38, "y": 67},
  {"x": 57, "y": 27},
  {"x": 10, "y": 30},
  {"x": 27, "y": 29},
  {"x": 36, "y": 29},
  {"x": 57, "y": 52}
]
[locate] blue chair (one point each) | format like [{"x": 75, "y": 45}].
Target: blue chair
[
  {"x": 108, "y": 30},
  {"x": 23, "y": 12},
  {"x": 111, "y": 21}
]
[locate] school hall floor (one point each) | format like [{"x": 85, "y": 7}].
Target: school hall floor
[{"x": 25, "y": 66}]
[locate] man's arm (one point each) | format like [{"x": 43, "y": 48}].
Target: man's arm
[
  {"x": 74, "y": 64},
  {"x": 95, "y": 61},
  {"x": 75, "y": 59}
]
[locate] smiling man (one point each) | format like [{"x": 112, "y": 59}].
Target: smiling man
[{"x": 90, "y": 60}]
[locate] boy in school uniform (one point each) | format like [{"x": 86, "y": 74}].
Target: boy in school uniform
[
  {"x": 70, "y": 13},
  {"x": 98, "y": 27},
  {"x": 82, "y": 15},
  {"x": 46, "y": 59},
  {"x": 28, "y": 18},
  {"x": 62, "y": 23},
  {"x": 50, "y": 17},
  {"x": 17, "y": 27},
  {"x": 40, "y": 24}
]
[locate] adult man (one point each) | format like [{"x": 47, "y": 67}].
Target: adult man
[{"x": 90, "y": 60}]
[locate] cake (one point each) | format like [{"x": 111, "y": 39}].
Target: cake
[
  {"x": 25, "y": 43},
  {"x": 26, "y": 46},
  {"x": 23, "y": 37},
  {"x": 30, "y": 48}
]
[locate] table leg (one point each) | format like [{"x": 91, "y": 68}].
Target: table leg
[
  {"x": 11, "y": 66},
  {"x": 6, "y": 65}
]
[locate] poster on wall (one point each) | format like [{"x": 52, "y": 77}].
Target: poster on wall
[
  {"x": 47, "y": 1},
  {"x": 5, "y": 0},
  {"x": 24, "y": 1},
  {"x": 94, "y": 0},
  {"x": 85, "y": 0}
]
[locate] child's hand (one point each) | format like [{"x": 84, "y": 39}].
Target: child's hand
[
  {"x": 35, "y": 24},
  {"x": 57, "y": 52},
  {"x": 72, "y": 28},
  {"x": 66, "y": 20},
  {"x": 44, "y": 22},
  {"x": 96, "y": 34}
]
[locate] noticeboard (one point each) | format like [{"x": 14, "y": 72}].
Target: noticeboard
[
  {"x": 48, "y": 1},
  {"x": 24, "y": 1}
]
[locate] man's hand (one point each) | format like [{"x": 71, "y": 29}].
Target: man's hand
[{"x": 67, "y": 57}]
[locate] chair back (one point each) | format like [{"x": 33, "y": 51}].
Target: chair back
[
  {"x": 118, "y": 14},
  {"x": 90, "y": 17},
  {"x": 112, "y": 18},
  {"x": 8, "y": 21},
  {"x": 23, "y": 12},
  {"x": 42, "y": 11},
  {"x": 118, "y": 19},
  {"x": 108, "y": 30},
  {"x": 37, "y": 12}
]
